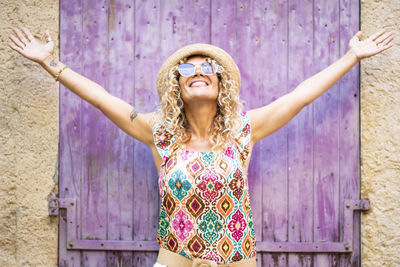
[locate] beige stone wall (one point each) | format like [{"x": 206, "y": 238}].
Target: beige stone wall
[
  {"x": 28, "y": 140},
  {"x": 380, "y": 138}
]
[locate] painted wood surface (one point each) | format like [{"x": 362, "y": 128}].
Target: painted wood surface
[
  {"x": 300, "y": 132},
  {"x": 298, "y": 176},
  {"x": 70, "y": 153}
]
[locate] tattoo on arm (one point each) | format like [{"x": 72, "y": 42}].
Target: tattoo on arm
[
  {"x": 134, "y": 113},
  {"x": 53, "y": 63}
]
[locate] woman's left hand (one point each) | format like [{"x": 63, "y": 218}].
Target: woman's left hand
[{"x": 375, "y": 44}]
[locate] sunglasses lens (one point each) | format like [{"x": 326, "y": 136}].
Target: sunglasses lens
[
  {"x": 207, "y": 68},
  {"x": 186, "y": 69}
]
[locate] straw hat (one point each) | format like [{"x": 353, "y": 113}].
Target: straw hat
[{"x": 220, "y": 55}]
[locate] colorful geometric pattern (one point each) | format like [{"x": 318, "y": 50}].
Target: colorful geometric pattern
[
  {"x": 163, "y": 137},
  {"x": 172, "y": 243},
  {"x": 169, "y": 204},
  {"x": 223, "y": 167},
  {"x": 211, "y": 256},
  {"x": 195, "y": 167},
  {"x": 195, "y": 205},
  {"x": 225, "y": 205},
  {"x": 179, "y": 184},
  {"x": 237, "y": 184},
  {"x": 237, "y": 225},
  {"x": 210, "y": 186},
  {"x": 170, "y": 164},
  {"x": 246, "y": 204},
  {"x": 210, "y": 226},
  {"x": 182, "y": 225},
  {"x": 225, "y": 247},
  {"x": 246, "y": 245},
  {"x": 237, "y": 256},
  {"x": 205, "y": 211},
  {"x": 163, "y": 223},
  {"x": 196, "y": 246},
  {"x": 183, "y": 253}
]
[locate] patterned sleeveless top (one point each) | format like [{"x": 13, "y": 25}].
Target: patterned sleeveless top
[{"x": 205, "y": 205}]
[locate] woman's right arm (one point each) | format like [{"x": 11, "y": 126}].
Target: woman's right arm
[{"x": 137, "y": 125}]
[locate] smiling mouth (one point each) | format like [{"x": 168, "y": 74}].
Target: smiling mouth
[{"x": 198, "y": 84}]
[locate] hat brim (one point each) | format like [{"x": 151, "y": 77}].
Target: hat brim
[{"x": 220, "y": 55}]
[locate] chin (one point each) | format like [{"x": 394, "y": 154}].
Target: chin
[
  {"x": 200, "y": 94},
  {"x": 196, "y": 99}
]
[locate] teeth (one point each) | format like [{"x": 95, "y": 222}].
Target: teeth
[{"x": 199, "y": 84}]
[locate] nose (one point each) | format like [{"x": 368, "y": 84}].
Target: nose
[{"x": 197, "y": 70}]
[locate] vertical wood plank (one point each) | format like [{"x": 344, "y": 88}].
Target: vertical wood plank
[
  {"x": 198, "y": 20},
  {"x": 251, "y": 59},
  {"x": 146, "y": 201},
  {"x": 94, "y": 132},
  {"x": 70, "y": 123},
  {"x": 120, "y": 154},
  {"x": 349, "y": 129},
  {"x": 223, "y": 27},
  {"x": 300, "y": 132},
  {"x": 326, "y": 133},
  {"x": 273, "y": 154},
  {"x": 173, "y": 27}
]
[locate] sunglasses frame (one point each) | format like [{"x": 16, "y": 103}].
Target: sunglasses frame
[{"x": 215, "y": 69}]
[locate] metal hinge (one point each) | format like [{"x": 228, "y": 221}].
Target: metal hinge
[
  {"x": 73, "y": 243},
  {"x": 53, "y": 204}
]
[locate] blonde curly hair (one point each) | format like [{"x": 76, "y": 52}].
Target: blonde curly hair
[{"x": 226, "y": 122}]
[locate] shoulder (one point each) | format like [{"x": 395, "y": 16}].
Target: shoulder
[
  {"x": 243, "y": 137},
  {"x": 163, "y": 138},
  {"x": 243, "y": 133},
  {"x": 244, "y": 126}
]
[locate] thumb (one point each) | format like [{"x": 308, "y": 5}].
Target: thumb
[
  {"x": 47, "y": 36},
  {"x": 359, "y": 34}
]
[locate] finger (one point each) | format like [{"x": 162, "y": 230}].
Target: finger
[
  {"x": 383, "y": 48},
  {"x": 16, "y": 41},
  {"x": 28, "y": 34},
  {"x": 16, "y": 48},
  {"x": 388, "y": 40},
  {"x": 21, "y": 37},
  {"x": 377, "y": 34},
  {"x": 47, "y": 36},
  {"x": 384, "y": 37},
  {"x": 359, "y": 35}
]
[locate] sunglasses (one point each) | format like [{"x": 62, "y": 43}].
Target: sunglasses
[{"x": 188, "y": 69}]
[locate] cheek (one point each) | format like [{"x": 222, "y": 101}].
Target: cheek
[
  {"x": 216, "y": 82},
  {"x": 182, "y": 81}
]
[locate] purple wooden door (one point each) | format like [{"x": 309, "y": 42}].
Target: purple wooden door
[{"x": 304, "y": 179}]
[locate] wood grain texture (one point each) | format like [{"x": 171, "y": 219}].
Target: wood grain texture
[
  {"x": 252, "y": 67},
  {"x": 326, "y": 133},
  {"x": 146, "y": 200},
  {"x": 94, "y": 134},
  {"x": 273, "y": 155},
  {"x": 70, "y": 167},
  {"x": 300, "y": 132},
  {"x": 120, "y": 157},
  {"x": 349, "y": 130}
]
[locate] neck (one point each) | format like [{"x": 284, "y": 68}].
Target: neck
[{"x": 200, "y": 117}]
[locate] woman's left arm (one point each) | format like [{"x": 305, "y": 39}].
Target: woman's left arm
[{"x": 268, "y": 119}]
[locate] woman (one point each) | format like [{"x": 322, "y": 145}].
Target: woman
[{"x": 201, "y": 141}]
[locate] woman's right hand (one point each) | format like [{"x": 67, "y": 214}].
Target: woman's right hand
[{"x": 25, "y": 44}]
